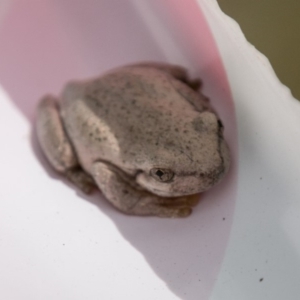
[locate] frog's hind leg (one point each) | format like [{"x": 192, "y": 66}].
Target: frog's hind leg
[
  {"x": 56, "y": 145},
  {"x": 177, "y": 72}
]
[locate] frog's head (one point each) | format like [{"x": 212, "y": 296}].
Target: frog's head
[{"x": 188, "y": 160}]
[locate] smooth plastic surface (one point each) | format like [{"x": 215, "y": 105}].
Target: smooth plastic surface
[{"x": 241, "y": 241}]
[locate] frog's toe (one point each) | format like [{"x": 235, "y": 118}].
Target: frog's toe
[
  {"x": 180, "y": 202},
  {"x": 193, "y": 200},
  {"x": 180, "y": 207},
  {"x": 184, "y": 212},
  {"x": 170, "y": 212}
]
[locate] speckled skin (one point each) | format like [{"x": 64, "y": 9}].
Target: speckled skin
[{"x": 120, "y": 130}]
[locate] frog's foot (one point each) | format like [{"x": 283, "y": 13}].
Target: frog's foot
[
  {"x": 81, "y": 179},
  {"x": 162, "y": 207},
  {"x": 194, "y": 84},
  {"x": 137, "y": 202},
  {"x": 186, "y": 201},
  {"x": 175, "y": 207},
  {"x": 56, "y": 145}
]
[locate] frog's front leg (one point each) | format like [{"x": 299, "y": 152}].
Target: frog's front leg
[
  {"x": 56, "y": 145},
  {"x": 137, "y": 202}
]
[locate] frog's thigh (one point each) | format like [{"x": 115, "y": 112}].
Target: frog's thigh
[
  {"x": 56, "y": 145},
  {"x": 129, "y": 200}
]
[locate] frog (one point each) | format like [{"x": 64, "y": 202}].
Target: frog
[{"x": 143, "y": 134}]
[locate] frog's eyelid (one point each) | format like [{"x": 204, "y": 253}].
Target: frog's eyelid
[{"x": 160, "y": 172}]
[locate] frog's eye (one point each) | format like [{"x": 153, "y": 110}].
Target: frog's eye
[{"x": 162, "y": 175}]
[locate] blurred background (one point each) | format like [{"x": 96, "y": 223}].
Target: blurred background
[{"x": 273, "y": 27}]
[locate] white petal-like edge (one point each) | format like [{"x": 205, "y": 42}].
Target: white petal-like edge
[{"x": 262, "y": 259}]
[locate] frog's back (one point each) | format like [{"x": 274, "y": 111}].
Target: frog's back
[{"x": 129, "y": 108}]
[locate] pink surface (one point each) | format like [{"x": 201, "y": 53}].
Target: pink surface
[{"x": 45, "y": 43}]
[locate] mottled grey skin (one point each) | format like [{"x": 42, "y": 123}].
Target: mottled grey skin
[{"x": 141, "y": 133}]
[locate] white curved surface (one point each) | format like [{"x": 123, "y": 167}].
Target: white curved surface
[
  {"x": 262, "y": 260},
  {"x": 58, "y": 244}
]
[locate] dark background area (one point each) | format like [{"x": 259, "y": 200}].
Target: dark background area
[{"x": 273, "y": 27}]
